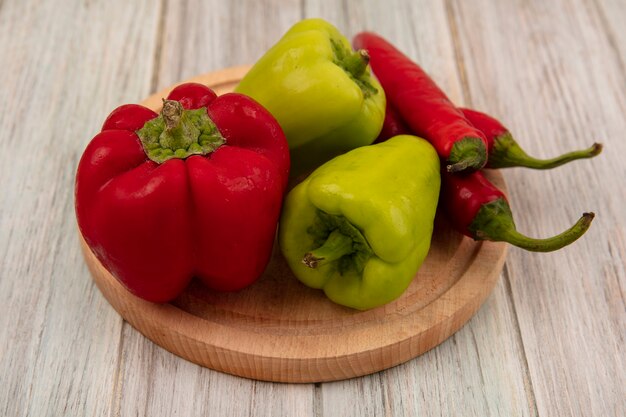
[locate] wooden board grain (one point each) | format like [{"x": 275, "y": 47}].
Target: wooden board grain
[
  {"x": 67, "y": 64},
  {"x": 279, "y": 330},
  {"x": 64, "y": 66},
  {"x": 561, "y": 87}
]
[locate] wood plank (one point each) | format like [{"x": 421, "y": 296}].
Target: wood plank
[
  {"x": 157, "y": 383},
  {"x": 477, "y": 372},
  {"x": 547, "y": 69},
  {"x": 552, "y": 70},
  {"x": 203, "y": 36},
  {"x": 611, "y": 15},
  {"x": 64, "y": 68},
  {"x": 481, "y": 369}
]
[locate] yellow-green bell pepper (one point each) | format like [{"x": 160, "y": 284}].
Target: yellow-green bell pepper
[
  {"x": 360, "y": 226},
  {"x": 320, "y": 91}
]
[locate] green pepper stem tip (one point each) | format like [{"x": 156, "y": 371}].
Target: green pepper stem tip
[
  {"x": 311, "y": 261},
  {"x": 596, "y": 149},
  {"x": 357, "y": 62},
  {"x": 365, "y": 56},
  {"x": 336, "y": 245}
]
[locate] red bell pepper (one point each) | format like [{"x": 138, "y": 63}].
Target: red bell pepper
[
  {"x": 393, "y": 124},
  {"x": 194, "y": 191}
]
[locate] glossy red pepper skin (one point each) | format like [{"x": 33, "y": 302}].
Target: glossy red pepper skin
[
  {"x": 478, "y": 209},
  {"x": 463, "y": 196},
  {"x": 393, "y": 125},
  {"x": 423, "y": 106},
  {"x": 491, "y": 127},
  {"x": 155, "y": 226},
  {"x": 505, "y": 152}
]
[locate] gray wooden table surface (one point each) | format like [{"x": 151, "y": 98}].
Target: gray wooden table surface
[{"x": 548, "y": 342}]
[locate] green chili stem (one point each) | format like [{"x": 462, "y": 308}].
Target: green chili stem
[
  {"x": 336, "y": 246},
  {"x": 494, "y": 221},
  {"x": 467, "y": 154},
  {"x": 507, "y": 153},
  {"x": 553, "y": 243}
]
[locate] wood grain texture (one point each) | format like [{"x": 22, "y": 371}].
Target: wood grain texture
[
  {"x": 553, "y": 71},
  {"x": 63, "y": 67},
  {"x": 477, "y": 372},
  {"x": 203, "y": 36},
  {"x": 561, "y": 87}
]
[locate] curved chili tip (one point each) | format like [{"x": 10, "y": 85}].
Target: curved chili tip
[
  {"x": 596, "y": 149},
  {"x": 507, "y": 153},
  {"x": 556, "y": 242},
  {"x": 494, "y": 222}
]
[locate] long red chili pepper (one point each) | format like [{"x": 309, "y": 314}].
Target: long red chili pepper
[
  {"x": 478, "y": 209},
  {"x": 504, "y": 151},
  {"x": 424, "y": 107},
  {"x": 393, "y": 125}
]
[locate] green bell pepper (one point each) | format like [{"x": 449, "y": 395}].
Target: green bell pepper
[
  {"x": 359, "y": 227},
  {"x": 320, "y": 91}
]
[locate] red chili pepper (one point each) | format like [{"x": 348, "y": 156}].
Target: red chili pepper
[
  {"x": 478, "y": 209},
  {"x": 424, "y": 107},
  {"x": 393, "y": 125},
  {"x": 504, "y": 151},
  {"x": 195, "y": 191}
]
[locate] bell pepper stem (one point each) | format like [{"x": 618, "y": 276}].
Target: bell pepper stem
[
  {"x": 336, "y": 246},
  {"x": 179, "y": 133},
  {"x": 357, "y": 62},
  {"x": 494, "y": 221},
  {"x": 172, "y": 112},
  {"x": 507, "y": 153}
]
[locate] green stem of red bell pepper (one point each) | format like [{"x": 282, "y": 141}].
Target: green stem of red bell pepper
[{"x": 179, "y": 133}]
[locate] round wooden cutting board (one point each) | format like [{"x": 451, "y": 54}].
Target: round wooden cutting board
[{"x": 280, "y": 330}]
